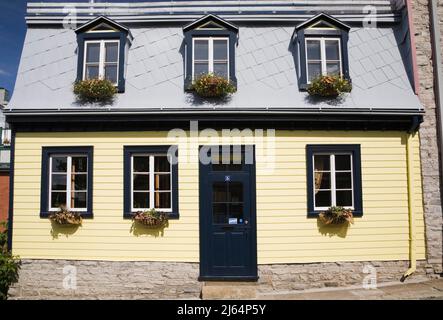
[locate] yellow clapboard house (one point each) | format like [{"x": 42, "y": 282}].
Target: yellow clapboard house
[{"x": 245, "y": 137}]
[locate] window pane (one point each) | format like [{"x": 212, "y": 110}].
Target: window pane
[
  {"x": 111, "y": 52},
  {"x": 162, "y": 182},
  {"x": 58, "y": 182},
  {"x": 162, "y": 200},
  {"x": 220, "y": 213},
  {"x": 322, "y": 163},
  {"x": 201, "y": 68},
  {"x": 221, "y": 69},
  {"x": 314, "y": 51},
  {"x": 314, "y": 70},
  {"x": 141, "y": 182},
  {"x": 58, "y": 199},
  {"x": 141, "y": 200},
  {"x": 323, "y": 199},
  {"x": 59, "y": 164},
  {"x": 93, "y": 52},
  {"x": 322, "y": 180},
  {"x": 333, "y": 68},
  {"x": 161, "y": 164},
  {"x": 235, "y": 191},
  {"x": 220, "y": 192},
  {"x": 79, "y": 164},
  {"x": 92, "y": 72},
  {"x": 344, "y": 198},
  {"x": 220, "y": 50},
  {"x": 332, "y": 50},
  {"x": 141, "y": 164},
  {"x": 80, "y": 182},
  {"x": 201, "y": 50},
  {"x": 111, "y": 73},
  {"x": 343, "y": 180},
  {"x": 236, "y": 211},
  {"x": 342, "y": 162},
  {"x": 78, "y": 200}
]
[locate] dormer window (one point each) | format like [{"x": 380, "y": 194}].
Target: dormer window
[
  {"x": 211, "y": 55},
  {"x": 101, "y": 60},
  {"x": 321, "y": 44},
  {"x": 323, "y": 57},
  {"x": 102, "y": 48},
  {"x": 210, "y": 48}
]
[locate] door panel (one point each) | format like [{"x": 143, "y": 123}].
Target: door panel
[{"x": 228, "y": 248}]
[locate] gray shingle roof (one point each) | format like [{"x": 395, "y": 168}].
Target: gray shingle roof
[{"x": 265, "y": 71}]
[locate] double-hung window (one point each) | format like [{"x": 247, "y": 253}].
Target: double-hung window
[
  {"x": 101, "y": 60},
  {"x": 333, "y": 183},
  {"x": 67, "y": 180},
  {"x": 151, "y": 179},
  {"x": 323, "y": 57},
  {"x": 334, "y": 177},
  {"x": 151, "y": 182},
  {"x": 210, "y": 55}
]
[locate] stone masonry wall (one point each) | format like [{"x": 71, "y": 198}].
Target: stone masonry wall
[
  {"x": 428, "y": 134},
  {"x": 45, "y": 279}
]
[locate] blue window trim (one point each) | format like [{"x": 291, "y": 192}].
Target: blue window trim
[
  {"x": 127, "y": 153},
  {"x": 121, "y": 36},
  {"x": 191, "y": 32},
  {"x": 356, "y": 163},
  {"x": 44, "y": 196},
  {"x": 302, "y": 33}
]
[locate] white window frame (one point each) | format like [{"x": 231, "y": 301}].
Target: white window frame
[
  {"x": 102, "y": 59},
  {"x": 210, "y": 53},
  {"x": 68, "y": 181},
  {"x": 6, "y": 134},
  {"x": 333, "y": 171},
  {"x": 323, "y": 60},
  {"x": 151, "y": 181}
]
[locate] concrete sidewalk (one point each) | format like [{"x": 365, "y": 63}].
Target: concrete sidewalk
[{"x": 431, "y": 289}]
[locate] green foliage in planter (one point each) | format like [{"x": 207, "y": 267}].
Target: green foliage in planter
[
  {"x": 213, "y": 86},
  {"x": 329, "y": 86},
  {"x": 151, "y": 218},
  {"x": 64, "y": 217},
  {"x": 95, "y": 90},
  {"x": 9, "y": 264},
  {"x": 336, "y": 215}
]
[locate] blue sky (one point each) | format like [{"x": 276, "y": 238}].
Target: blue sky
[{"x": 12, "y": 35}]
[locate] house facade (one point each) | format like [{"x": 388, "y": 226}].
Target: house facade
[{"x": 242, "y": 179}]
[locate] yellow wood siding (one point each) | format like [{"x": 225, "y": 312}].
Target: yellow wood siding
[{"x": 285, "y": 234}]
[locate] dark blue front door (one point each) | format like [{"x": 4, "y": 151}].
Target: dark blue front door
[{"x": 228, "y": 246}]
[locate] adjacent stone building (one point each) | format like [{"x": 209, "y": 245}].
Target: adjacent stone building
[{"x": 429, "y": 136}]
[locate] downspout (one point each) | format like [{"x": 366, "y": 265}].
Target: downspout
[
  {"x": 411, "y": 215},
  {"x": 410, "y": 152}
]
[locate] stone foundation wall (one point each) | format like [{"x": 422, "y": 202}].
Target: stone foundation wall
[
  {"x": 45, "y": 279},
  {"x": 430, "y": 161}
]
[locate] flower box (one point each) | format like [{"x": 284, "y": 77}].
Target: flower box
[
  {"x": 329, "y": 86},
  {"x": 95, "y": 90},
  {"x": 151, "y": 218},
  {"x": 66, "y": 218},
  {"x": 336, "y": 215},
  {"x": 212, "y": 86}
]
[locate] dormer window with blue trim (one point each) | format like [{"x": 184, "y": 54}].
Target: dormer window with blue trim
[
  {"x": 210, "y": 48},
  {"x": 321, "y": 45},
  {"x": 102, "y": 51}
]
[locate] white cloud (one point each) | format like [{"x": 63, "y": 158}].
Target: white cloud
[{"x": 4, "y": 72}]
